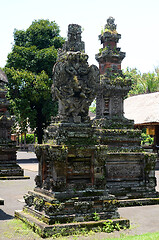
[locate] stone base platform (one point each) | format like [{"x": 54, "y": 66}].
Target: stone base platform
[{"x": 46, "y": 230}]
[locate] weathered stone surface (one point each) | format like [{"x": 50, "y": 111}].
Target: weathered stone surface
[
  {"x": 8, "y": 165},
  {"x": 67, "y": 207},
  {"x": 71, "y": 183},
  {"x": 46, "y": 230},
  {"x": 114, "y": 85},
  {"x": 75, "y": 85},
  {"x": 129, "y": 172}
]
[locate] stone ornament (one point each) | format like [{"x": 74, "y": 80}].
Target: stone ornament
[{"x": 110, "y": 24}]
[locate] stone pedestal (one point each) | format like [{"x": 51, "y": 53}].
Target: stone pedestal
[
  {"x": 70, "y": 186},
  {"x": 71, "y": 183}
]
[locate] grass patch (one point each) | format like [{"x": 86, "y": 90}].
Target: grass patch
[
  {"x": 16, "y": 229},
  {"x": 147, "y": 236}
]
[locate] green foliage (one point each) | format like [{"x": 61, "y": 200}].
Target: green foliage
[
  {"x": 92, "y": 109},
  {"x": 147, "y": 236},
  {"x": 108, "y": 30},
  {"x": 29, "y": 71},
  {"x": 96, "y": 216},
  {"x": 30, "y": 97},
  {"x": 32, "y": 59},
  {"x": 42, "y": 34},
  {"x": 103, "y": 50},
  {"x": 36, "y": 48},
  {"x": 143, "y": 83},
  {"x": 108, "y": 227},
  {"x": 146, "y": 139},
  {"x": 29, "y": 138}
]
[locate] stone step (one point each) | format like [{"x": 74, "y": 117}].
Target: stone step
[
  {"x": 13, "y": 177},
  {"x": 44, "y": 229}
]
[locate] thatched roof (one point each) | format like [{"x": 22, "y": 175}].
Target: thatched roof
[
  {"x": 143, "y": 109},
  {"x": 3, "y": 77}
]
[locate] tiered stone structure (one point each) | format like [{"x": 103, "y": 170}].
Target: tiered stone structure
[
  {"x": 129, "y": 171},
  {"x": 9, "y": 169},
  {"x": 70, "y": 185},
  {"x": 114, "y": 86}
]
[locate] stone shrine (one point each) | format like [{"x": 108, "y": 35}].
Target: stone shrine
[
  {"x": 130, "y": 172},
  {"x": 70, "y": 186},
  {"x": 9, "y": 169}
]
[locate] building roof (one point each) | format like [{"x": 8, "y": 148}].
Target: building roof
[{"x": 143, "y": 109}]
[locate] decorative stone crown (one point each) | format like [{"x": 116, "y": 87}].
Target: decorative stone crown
[
  {"x": 74, "y": 42},
  {"x": 110, "y": 24}
]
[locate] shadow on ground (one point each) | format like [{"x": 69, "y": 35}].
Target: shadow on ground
[{"x": 5, "y": 216}]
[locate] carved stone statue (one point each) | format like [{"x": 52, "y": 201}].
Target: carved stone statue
[{"x": 74, "y": 81}]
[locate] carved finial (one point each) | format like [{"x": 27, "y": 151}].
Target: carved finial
[
  {"x": 74, "y": 42},
  {"x": 110, "y": 24},
  {"x": 74, "y": 28}
]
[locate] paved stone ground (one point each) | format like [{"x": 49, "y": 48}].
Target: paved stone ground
[{"x": 143, "y": 219}]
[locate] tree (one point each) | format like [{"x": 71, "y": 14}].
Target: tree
[
  {"x": 143, "y": 83},
  {"x": 29, "y": 70}
]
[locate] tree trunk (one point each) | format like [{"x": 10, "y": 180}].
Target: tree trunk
[
  {"x": 39, "y": 125},
  {"x": 17, "y": 138},
  {"x": 40, "y": 134}
]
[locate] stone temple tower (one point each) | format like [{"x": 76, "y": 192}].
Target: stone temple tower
[
  {"x": 126, "y": 164},
  {"x": 113, "y": 84},
  {"x": 110, "y": 55}
]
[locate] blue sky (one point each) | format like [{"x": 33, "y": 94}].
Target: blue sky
[{"x": 137, "y": 22}]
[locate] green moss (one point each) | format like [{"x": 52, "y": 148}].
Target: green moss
[{"x": 107, "y": 30}]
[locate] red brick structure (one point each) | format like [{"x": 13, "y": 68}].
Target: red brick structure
[{"x": 110, "y": 55}]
